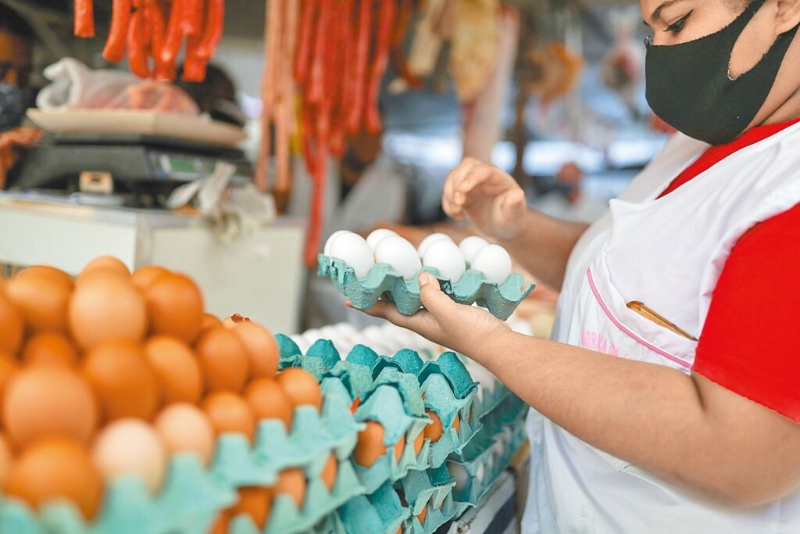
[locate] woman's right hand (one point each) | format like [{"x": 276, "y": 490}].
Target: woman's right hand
[{"x": 487, "y": 197}]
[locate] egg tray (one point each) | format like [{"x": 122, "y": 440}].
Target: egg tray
[
  {"x": 189, "y": 501},
  {"x": 472, "y": 288},
  {"x": 445, "y": 385},
  {"x": 484, "y": 460},
  {"x": 192, "y": 494},
  {"x": 511, "y": 411},
  {"x": 432, "y": 489},
  {"x": 379, "y": 512}
]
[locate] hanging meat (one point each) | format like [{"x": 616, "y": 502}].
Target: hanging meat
[
  {"x": 153, "y": 32},
  {"x": 326, "y": 59}
]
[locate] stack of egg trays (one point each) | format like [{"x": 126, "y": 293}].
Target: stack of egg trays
[
  {"x": 192, "y": 494},
  {"x": 429, "y": 490},
  {"x": 443, "y": 385},
  {"x": 189, "y": 501},
  {"x": 485, "y": 458},
  {"x": 472, "y": 287},
  {"x": 380, "y": 512}
]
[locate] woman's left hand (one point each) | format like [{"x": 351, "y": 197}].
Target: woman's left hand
[{"x": 465, "y": 329}]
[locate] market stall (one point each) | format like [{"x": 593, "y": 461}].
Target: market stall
[{"x": 175, "y": 352}]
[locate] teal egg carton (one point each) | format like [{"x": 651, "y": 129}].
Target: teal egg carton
[
  {"x": 385, "y": 406},
  {"x": 484, "y": 460},
  {"x": 189, "y": 501},
  {"x": 511, "y": 411},
  {"x": 380, "y": 512},
  {"x": 472, "y": 288},
  {"x": 429, "y": 491}
]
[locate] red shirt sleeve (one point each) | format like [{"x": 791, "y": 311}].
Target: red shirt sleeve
[{"x": 750, "y": 342}]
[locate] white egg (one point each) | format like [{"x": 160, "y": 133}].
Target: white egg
[
  {"x": 479, "y": 472},
  {"x": 494, "y": 262},
  {"x": 428, "y": 241},
  {"x": 459, "y": 473},
  {"x": 354, "y": 251},
  {"x": 471, "y": 245},
  {"x": 400, "y": 254},
  {"x": 327, "y": 248},
  {"x": 376, "y": 235},
  {"x": 447, "y": 258}
]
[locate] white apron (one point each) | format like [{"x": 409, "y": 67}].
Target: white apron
[{"x": 667, "y": 253}]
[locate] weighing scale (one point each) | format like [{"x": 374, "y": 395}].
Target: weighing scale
[{"x": 139, "y": 167}]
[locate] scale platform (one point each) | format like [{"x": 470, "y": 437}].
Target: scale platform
[{"x": 141, "y": 165}]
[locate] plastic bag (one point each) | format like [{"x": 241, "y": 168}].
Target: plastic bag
[{"x": 75, "y": 86}]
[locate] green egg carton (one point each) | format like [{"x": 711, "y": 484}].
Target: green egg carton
[
  {"x": 442, "y": 400},
  {"x": 285, "y": 518},
  {"x": 472, "y": 287},
  {"x": 330, "y": 524},
  {"x": 379, "y": 512},
  {"x": 487, "y": 401},
  {"x": 385, "y": 405},
  {"x": 189, "y": 501},
  {"x": 432, "y": 489},
  {"x": 511, "y": 411},
  {"x": 484, "y": 460}
]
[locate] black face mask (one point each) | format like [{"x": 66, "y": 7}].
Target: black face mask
[{"x": 689, "y": 86}]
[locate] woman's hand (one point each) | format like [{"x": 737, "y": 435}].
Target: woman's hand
[
  {"x": 488, "y": 198},
  {"x": 465, "y": 329}
]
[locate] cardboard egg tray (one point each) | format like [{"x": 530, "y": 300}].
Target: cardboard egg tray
[
  {"x": 443, "y": 385},
  {"x": 429, "y": 490},
  {"x": 192, "y": 495},
  {"x": 484, "y": 460},
  {"x": 380, "y": 512},
  {"x": 472, "y": 287},
  {"x": 189, "y": 501}
]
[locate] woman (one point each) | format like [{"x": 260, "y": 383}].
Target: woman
[{"x": 643, "y": 428}]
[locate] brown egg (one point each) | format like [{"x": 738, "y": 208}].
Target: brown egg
[
  {"x": 186, "y": 428},
  {"x": 6, "y": 459},
  {"x": 220, "y": 525},
  {"x": 370, "y": 445},
  {"x": 175, "y": 306},
  {"x": 301, "y": 387},
  {"x": 329, "y": 472},
  {"x": 48, "y": 400},
  {"x": 12, "y": 326},
  {"x": 399, "y": 447},
  {"x": 268, "y": 401},
  {"x": 229, "y": 412},
  {"x": 106, "y": 307},
  {"x": 210, "y": 321},
  {"x": 50, "y": 348},
  {"x": 131, "y": 447},
  {"x": 419, "y": 441},
  {"x": 8, "y": 366},
  {"x": 42, "y": 295},
  {"x": 423, "y": 514},
  {"x": 176, "y": 368},
  {"x": 56, "y": 468},
  {"x": 144, "y": 277},
  {"x": 103, "y": 263},
  {"x": 223, "y": 360},
  {"x": 122, "y": 379},
  {"x": 262, "y": 350},
  {"x": 255, "y": 502},
  {"x": 433, "y": 430},
  {"x": 292, "y": 482}
]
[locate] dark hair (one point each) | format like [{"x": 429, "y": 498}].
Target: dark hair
[
  {"x": 216, "y": 86},
  {"x": 12, "y": 22}
]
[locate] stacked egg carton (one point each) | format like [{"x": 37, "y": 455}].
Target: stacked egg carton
[
  {"x": 193, "y": 495},
  {"x": 386, "y": 265},
  {"x": 478, "y": 465},
  {"x": 413, "y": 491}
]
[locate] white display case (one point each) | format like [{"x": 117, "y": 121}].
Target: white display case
[{"x": 258, "y": 274}]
